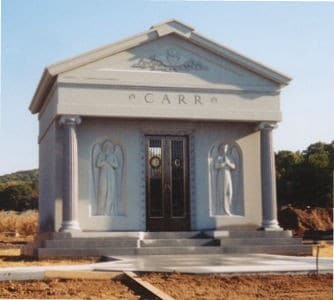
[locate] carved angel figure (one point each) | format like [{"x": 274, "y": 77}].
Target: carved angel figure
[
  {"x": 107, "y": 165},
  {"x": 225, "y": 180}
]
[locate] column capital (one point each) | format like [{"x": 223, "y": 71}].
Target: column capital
[
  {"x": 70, "y": 120},
  {"x": 267, "y": 125}
]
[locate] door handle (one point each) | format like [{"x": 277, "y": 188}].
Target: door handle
[{"x": 167, "y": 186}]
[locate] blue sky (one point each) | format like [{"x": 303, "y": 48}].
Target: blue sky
[{"x": 294, "y": 38}]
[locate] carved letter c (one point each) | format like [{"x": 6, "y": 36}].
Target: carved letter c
[{"x": 147, "y": 100}]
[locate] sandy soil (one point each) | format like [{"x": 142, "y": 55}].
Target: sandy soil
[
  {"x": 25, "y": 261},
  {"x": 66, "y": 289},
  {"x": 243, "y": 287}
]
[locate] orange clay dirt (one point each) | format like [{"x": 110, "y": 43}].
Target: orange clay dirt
[
  {"x": 243, "y": 287},
  {"x": 66, "y": 289},
  {"x": 179, "y": 286}
]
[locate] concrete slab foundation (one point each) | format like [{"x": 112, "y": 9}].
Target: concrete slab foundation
[
  {"x": 199, "y": 264},
  {"x": 213, "y": 263}
]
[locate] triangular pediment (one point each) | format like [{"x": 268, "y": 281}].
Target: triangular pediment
[
  {"x": 170, "y": 54},
  {"x": 170, "y": 61}
]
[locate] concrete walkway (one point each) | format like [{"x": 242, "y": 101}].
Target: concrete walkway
[
  {"x": 211, "y": 263},
  {"x": 217, "y": 263}
]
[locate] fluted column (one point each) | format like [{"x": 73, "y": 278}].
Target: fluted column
[
  {"x": 70, "y": 173},
  {"x": 268, "y": 178}
]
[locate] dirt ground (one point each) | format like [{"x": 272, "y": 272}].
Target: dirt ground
[
  {"x": 243, "y": 287},
  {"x": 66, "y": 289},
  {"x": 178, "y": 286}
]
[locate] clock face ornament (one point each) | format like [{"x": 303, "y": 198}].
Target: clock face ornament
[{"x": 155, "y": 162}]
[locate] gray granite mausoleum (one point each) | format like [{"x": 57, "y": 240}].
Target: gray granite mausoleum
[{"x": 165, "y": 131}]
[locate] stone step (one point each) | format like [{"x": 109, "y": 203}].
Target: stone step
[
  {"x": 247, "y": 233},
  {"x": 270, "y": 249},
  {"x": 174, "y": 235},
  {"x": 91, "y": 243},
  {"x": 91, "y": 235},
  {"x": 179, "y": 250},
  {"x": 178, "y": 242},
  {"x": 260, "y": 241},
  {"x": 82, "y": 252},
  {"x": 260, "y": 234}
]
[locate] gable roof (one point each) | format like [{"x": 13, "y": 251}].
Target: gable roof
[{"x": 172, "y": 26}]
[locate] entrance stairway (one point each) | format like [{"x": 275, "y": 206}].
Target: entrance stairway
[
  {"x": 270, "y": 242},
  {"x": 167, "y": 243}
]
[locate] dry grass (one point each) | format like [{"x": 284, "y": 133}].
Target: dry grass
[
  {"x": 25, "y": 223},
  {"x": 304, "y": 220},
  {"x": 325, "y": 249}
]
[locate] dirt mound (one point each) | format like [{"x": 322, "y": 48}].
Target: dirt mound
[{"x": 300, "y": 221}]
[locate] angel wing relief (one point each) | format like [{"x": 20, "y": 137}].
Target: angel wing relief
[
  {"x": 226, "y": 180},
  {"x": 107, "y": 168}
]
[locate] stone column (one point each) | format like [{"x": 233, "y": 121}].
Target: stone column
[
  {"x": 70, "y": 173},
  {"x": 268, "y": 178}
]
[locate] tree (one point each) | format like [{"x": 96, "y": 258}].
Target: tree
[
  {"x": 306, "y": 179},
  {"x": 19, "y": 197},
  {"x": 287, "y": 164}
]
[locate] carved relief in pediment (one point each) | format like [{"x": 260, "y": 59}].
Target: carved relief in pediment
[{"x": 170, "y": 60}]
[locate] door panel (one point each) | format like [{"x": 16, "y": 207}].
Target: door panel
[
  {"x": 155, "y": 182},
  {"x": 177, "y": 179},
  {"x": 167, "y": 197}
]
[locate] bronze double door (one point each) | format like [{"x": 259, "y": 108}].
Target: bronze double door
[{"x": 167, "y": 195}]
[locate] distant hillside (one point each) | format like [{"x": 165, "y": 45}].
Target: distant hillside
[
  {"x": 19, "y": 190},
  {"x": 28, "y": 175}
]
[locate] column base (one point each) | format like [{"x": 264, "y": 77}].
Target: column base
[
  {"x": 70, "y": 226},
  {"x": 270, "y": 225}
]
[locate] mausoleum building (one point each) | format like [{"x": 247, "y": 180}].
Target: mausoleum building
[{"x": 164, "y": 131}]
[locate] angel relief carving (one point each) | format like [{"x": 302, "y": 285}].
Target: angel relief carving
[
  {"x": 107, "y": 167},
  {"x": 225, "y": 178}
]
